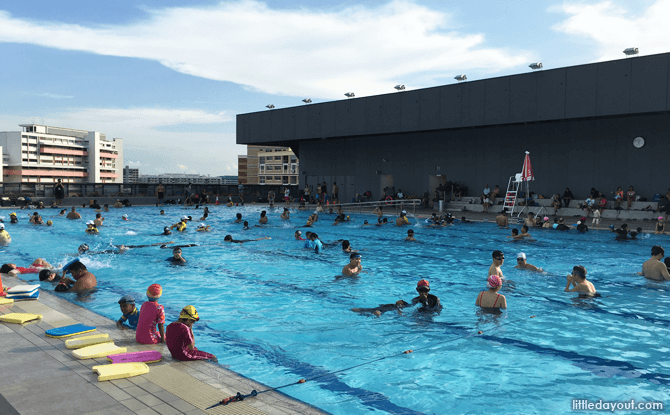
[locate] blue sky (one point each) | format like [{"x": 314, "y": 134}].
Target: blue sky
[{"x": 169, "y": 76}]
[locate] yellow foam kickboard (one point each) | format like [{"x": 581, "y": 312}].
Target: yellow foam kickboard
[
  {"x": 120, "y": 370},
  {"x": 85, "y": 341},
  {"x": 99, "y": 350},
  {"x": 4, "y": 300},
  {"x": 20, "y": 318}
]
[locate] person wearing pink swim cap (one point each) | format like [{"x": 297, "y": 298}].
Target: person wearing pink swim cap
[{"x": 491, "y": 299}]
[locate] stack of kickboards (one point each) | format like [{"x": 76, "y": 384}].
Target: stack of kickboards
[
  {"x": 24, "y": 292},
  {"x": 124, "y": 365}
]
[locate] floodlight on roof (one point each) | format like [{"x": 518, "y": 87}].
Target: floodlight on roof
[
  {"x": 349, "y": 95},
  {"x": 536, "y": 65},
  {"x": 460, "y": 78},
  {"x": 631, "y": 51},
  {"x": 307, "y": 101},
  {"x": 269, "y": 106},
  {"x": 399, "y": 87}
]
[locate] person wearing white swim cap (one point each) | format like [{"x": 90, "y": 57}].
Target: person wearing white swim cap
[{"x": 522, "y": 264}]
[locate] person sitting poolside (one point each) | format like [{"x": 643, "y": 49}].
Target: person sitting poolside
[
  {"x": 498, "y": 260},
  {"x": 402, "y": 219},
  {"x": 578, "y": 280},
  {"x": 653, "y": 268},
  {"x": 354, "y": 266},
  {"x": 410, "y": 236},
  {"x": 491, "y": 300},
  {"x": 522, "y": 264},
  {"x": 659, "y": 229},
  {"x": 176, "y": 257},
  {"x": 130, "y": 313},
  {"x": 229, "y": 238},
  {"x": 180, "y": 340}
]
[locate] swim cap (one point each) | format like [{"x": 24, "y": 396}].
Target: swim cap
[
  {"x": 660, "y": 218},
  {"x": 494, "y": 281},
  {"x": 49, "y": 223},
  {"x": 167, "y": 228},
  {"x": 521, "y": 255},
  {"x": 579, "y": 222},
  {"x": 189, "y": 313},
  {"x": 202, "y": 225},
  {"x": 611, "y": 226},
  {"x": 2, "y": 226},
  {"x": 184, "y": 218},
  {"x": 125, "y": 216},
  {"x": 90, "y": 222},
  {"x": 154, "y": 291},
  {"x": 423, "y": 284},
  {"x": 83, "y": 247},
  {"x": 546, "y": 218},
  {"x": 12, "y": 214},
  {"x": 583, "y": 219},
  {"x": 127, "y": 299}
]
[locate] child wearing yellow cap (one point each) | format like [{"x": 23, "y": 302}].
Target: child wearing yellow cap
[
  {"x": 152, "y": 315},
  {"x": 180, "y": 339}
]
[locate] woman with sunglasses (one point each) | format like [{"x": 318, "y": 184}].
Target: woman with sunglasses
[{"x": 179, "y": 337}]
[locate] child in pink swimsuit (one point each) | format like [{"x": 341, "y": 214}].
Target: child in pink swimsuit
[{"x": 152, "y": 314}]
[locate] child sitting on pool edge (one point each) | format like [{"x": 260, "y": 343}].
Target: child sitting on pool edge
[
  {"x": 180, "y": 339},
  {"x": 152, "y": 314},
  {"x": 131, "y": 314}
]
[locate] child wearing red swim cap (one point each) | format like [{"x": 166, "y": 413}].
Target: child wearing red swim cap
[{"x": 152, "y": 315}]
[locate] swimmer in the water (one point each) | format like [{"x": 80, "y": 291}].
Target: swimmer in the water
[
  {"x": 429, "y": 302},
  {"x": 286, "y": 214},
  {"x": 402, "y": 219},
  {"x": 410, "y": 236},
  {"x": 181, "y": 225},
  {"x": 166, "y": 231},
  {"x": 125, "y": 217},
  {"x": 502, "y": 220},
  {"x": 522, "y": 264},
  {"x": 354, "y": 266},
  {"x": 524, "y": 233},
  {"x": 205, "y": 213},
  {"x": 365, "y": 223},
  {"x": 264, "y": 219},
  {"x": 245, "y": 226},
  {"x": 491, "y": 299},
  {"x": 653, "y": 268},
  {"x": 318, "y": 246},
  {"x": 578, "y": 280},
  {"x": 62, "y": 213},
  {"x": 465, "y": 220},
  {"x": 498, "y": 260},
  {"x": 346, "y": 247},
  {"x": 314, "y": 217},
  {"x": 238, "y": 218},
  {"x": 162, "y": 212},
  {"x": 176, "y": 257},
  {"x": 340, "y": 218},
  {"x": 298, "y": 236},
  {"x": 308, "y": 241},
  {"x": 381, "y": 222},
  {"x": 203, "y": 228},
  {"x": 91, "y": 229},
  {"x": 229, "y": 238}
]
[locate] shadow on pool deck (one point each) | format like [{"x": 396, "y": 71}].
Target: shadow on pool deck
[{"x": 41, "y": 376}]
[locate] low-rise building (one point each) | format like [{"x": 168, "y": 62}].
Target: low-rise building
[
  {"x": 177, "y": 178},
  {"x": 268, "y": 165},
  {"x": 130, "y": 175},
  {"x": 43, "y": 154}
]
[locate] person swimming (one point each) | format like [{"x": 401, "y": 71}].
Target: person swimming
[{"x": 229, "y": 238}]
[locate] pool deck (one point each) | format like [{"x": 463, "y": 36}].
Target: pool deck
[{"x": 40, "y": 375}]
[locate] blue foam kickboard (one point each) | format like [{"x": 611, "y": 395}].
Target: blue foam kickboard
[
  {"x": 35, "y": 294},
  {"x": 69, "y": 330}
]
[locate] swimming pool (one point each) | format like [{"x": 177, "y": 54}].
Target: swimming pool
[{"x": 276, "y": 313}]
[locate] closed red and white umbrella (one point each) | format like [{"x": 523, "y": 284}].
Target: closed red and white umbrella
[{"x": 527, "y": 172}]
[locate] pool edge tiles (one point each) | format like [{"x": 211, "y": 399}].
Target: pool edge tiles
[{"x": 211, "y": 374}]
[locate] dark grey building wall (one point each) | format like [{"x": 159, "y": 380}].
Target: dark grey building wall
[
  {"x": 579, "y": 154},
  {"x": 626, "y": 86}
]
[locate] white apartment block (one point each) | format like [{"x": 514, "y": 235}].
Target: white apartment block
[
  {"x": 176, "y": 178},
  {"x": 130, "y": 175},
  {"x": 43, "y": 154}
]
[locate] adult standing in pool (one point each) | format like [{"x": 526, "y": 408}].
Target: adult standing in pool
[
  {"x": 354, "y": 266},
  {"x": 501, "y": 220},
  {"x": 498, "y": 260},
  {"x": 264, "y": 219},
  {"x": 653, "y": 268},
  {"x": 578, "y": 280},
  {"x": 402, "y": 219},
  {"x": 492, "y": 299},
  {"x": 522, "y": 264},
  {"x": 73, "y": 214}
]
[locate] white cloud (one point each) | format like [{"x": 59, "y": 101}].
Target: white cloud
[
  {"x": 297, "y": 52},
  {"x": 614, "y": 28},
  {"x": 181, "y": 167}
]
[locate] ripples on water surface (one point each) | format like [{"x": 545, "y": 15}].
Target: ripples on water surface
[{"x": 276, "y": 313}]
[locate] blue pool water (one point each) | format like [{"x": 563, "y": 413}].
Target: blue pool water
[{"x": 276, "y": 312}]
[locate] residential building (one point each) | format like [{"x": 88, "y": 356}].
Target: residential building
[
  {"x": 268, "y": 165},
  {"x": 229, "y": 180},
  {"x": 178, "y": 178},
  {"x": 130, "y": 175},
  {"x": 42, "y": 154}
]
